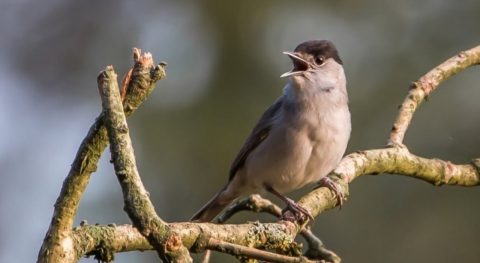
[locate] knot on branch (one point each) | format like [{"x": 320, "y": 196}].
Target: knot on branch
[
  {"x": 448, "y": 173},
  {"x": 427, "y": 85},
  {"x": 174, "y": 249}
]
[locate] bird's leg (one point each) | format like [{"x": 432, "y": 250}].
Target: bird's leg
[
  {"x": 293, "y": 211},
  {"x": 327, "y": 182}
]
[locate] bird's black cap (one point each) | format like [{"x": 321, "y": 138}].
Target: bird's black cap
[{"x": 320, "y": 48}]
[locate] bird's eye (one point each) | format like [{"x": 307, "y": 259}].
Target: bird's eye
[{"x": 320, "y": 60}]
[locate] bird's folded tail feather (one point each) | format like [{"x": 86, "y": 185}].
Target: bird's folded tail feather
[{"x": 209, "y": 211}]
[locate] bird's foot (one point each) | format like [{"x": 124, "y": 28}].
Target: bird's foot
[
  {"x": 294, "y": 212},
  {"x": 327, "y": 182}
]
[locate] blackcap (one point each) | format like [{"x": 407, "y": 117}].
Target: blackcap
[{"x": 299, "y": 139}]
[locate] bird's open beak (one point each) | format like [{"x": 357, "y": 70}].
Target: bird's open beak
[{"x": 300, "y": 65}]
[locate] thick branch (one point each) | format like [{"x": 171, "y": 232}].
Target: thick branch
[
  {"x": 420, "y": 90},
  {"x": 57, "y": 245},
  {"x": 194, "y": 236},
  {"x": 89, "y": 239},
  {"x": 137, "y": 203}
]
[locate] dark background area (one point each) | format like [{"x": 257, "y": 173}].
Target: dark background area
[{"x": 224, "y": 62}]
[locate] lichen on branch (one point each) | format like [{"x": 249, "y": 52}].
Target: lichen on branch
[
  {"x": 55, "y": 247},
  {"x": 136, "y": 198}
]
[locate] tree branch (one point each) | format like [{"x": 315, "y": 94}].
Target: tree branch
[
  {"x": 90, "y": 239},
  {"x": 194, "y": 236},
  {"x": 242, "y": 251},
  {"x": 57, "y": 245},
  {"x": 254, "y": 203},
  {"x": 316, "y": 249},
  {"x": 420, "y": 89},
  {"x": 258, "y": 204},
  {"x": 279, "y": 236},
  {"x": 137, "y": 203},
  {"x": 397, "y": 160}
]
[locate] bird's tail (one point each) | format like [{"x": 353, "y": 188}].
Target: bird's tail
[{"x": 209, "y": 211}]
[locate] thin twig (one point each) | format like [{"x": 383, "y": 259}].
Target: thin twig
[
  {"x": 422, "y": 88},
  {"x": 316, "y": 249},
  {"x": 254, "y": 203},
  {"x": 243, "y": 251}
]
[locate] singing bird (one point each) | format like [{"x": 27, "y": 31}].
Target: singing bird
[{"x": 299, "y": 139}]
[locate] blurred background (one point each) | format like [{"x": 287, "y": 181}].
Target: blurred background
[{"x": 224, "y": 62}]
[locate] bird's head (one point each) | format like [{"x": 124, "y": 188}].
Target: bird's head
[{"x": 314, "y": 58}]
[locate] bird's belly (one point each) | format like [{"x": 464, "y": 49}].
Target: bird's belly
[
  {"x": 281, "y": 162},
  {"x": 290, "y": 159}
]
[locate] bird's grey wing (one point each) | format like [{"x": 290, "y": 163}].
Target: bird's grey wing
[{"x": 258, "y": 134}]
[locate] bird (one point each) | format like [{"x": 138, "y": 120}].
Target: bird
[{"x": 298, "y": 140}]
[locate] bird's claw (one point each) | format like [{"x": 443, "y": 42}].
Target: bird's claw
[
  {"x": 294, "y": 212},
  {"x": 327, "y": 182}
]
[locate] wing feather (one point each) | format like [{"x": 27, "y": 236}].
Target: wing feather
[{"x": 259, "y": 133}]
